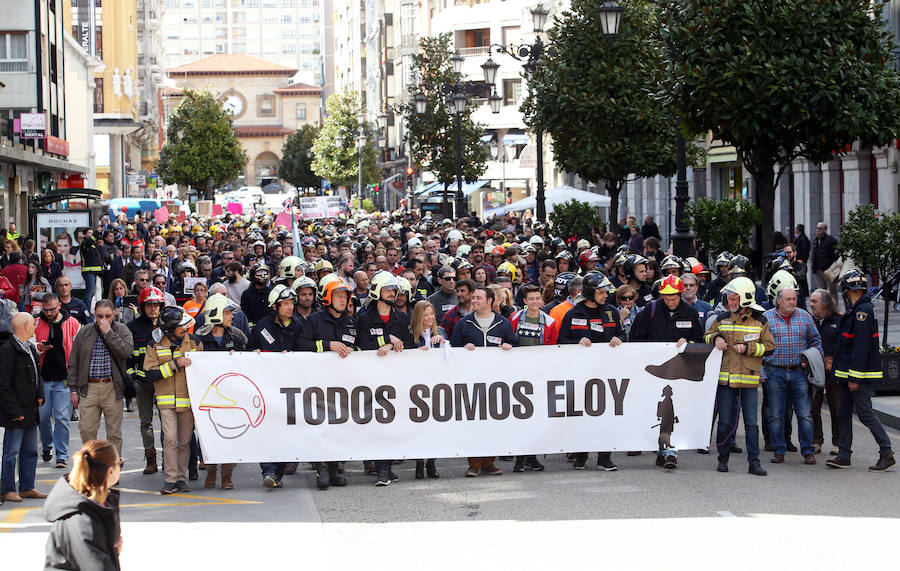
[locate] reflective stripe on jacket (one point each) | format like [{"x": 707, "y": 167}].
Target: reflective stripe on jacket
[{"x": 751, "y": 329}]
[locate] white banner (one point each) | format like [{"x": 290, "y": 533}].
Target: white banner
[
  {"x": 251, "y": 407},
  {"x": 312, "y": 207}
]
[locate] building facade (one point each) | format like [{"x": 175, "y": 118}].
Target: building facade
[
  {"x": 34, "y": 128},
  {"x": 266, "y": 106}
]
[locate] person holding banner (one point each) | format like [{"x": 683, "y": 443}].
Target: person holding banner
[
  {"x": 333, "y": 328},
  {"x": 483, "y": 328},
  {"x": 669, "y": 319},
  {"x": 592, "y": 321},
  {"x": 384, "y": 329},
  {"x": 277, "y": 332},
  {"x": 744, "y": 335}
]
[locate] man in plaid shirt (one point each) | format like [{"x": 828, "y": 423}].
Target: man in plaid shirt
[{"x": 794, "y": 331}]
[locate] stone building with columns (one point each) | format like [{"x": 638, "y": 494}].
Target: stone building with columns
[{"x": 266, "y": 106}]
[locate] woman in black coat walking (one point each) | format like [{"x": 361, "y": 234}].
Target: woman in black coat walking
[{"x": 84, "y": 512}]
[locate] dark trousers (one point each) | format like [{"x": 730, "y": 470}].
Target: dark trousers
[
  {"x": 861, "y": 401},
  {"x": 788, "y": 414},
  {"x": 730, "y": 403},
  {"x": 818, "y": 396},
  {"x": 383, "y": 465}
]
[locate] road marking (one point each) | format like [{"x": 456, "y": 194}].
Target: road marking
[
  {"x": 211, "y": 500},
  {"x": 14, "y": 516},
  {"x": 725, "y": 514}
]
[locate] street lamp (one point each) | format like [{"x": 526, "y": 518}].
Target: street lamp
[
  {"x": 498, "y": 152},
  {"x": 610, "y": 17}
]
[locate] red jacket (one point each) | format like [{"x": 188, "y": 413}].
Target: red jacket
[
  {"x": 16, "y": 274},
  {"x": 69, "y": 328},
  {"x": 548, "y": 325}
]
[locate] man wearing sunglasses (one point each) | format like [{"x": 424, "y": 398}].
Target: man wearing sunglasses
[
  {"x": 55, "y": 333},
  {"x": 96, "y": 376},
  {"x": 445, "y": 298}
]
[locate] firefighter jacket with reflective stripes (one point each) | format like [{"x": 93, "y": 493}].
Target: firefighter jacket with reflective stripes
[
  {"x": 374, "y": 332},
  {"x": 169, "y": 380},
  {"x": 141, "y": 330},
  {"x": 322, "y": 328},
  {"x": 91, "y": 257},
  {"x": 856, "y": 359},
  {"x": 741, "y": 371}
]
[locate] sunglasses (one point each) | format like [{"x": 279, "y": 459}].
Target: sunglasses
[
  {"x": 450, "y": 279},
  {"x": 627, "y": 298}
]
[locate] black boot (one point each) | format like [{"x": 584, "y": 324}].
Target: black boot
[
  {"x": 723, "y": 464},
  {"x": 431, "y": 469},
  {"x": 420, "y": 469},
  {"x": 334, "y": 476},
  {"x": 322, "y": 476}
]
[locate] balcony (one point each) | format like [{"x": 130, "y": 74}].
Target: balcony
[{"x": 476, "y": 51}]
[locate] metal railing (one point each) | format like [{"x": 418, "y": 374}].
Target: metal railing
[{"x": 476, "y": 51}]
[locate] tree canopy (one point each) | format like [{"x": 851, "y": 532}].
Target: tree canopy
[
  {"x": 782, "y": 80},
  {"x": 296, "y": 158},
  {"x": 201, "y": 149},
  {"x": 340, "y": 164}
]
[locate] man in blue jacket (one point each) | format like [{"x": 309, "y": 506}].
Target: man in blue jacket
[
  {"x": 857, "y": 367},
  {"x": 483, "y": 328}
]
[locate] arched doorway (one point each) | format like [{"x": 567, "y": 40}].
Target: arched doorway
[{"x": 266, "y": 164}]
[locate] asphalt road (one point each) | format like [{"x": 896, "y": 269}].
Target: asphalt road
[{"x": 799, "y": 516}]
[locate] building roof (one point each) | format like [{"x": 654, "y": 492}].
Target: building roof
[
  {"x": 299, "y": 89},
  {"x": 233, "y": 64},
  {"x": 261, "y": 131}
]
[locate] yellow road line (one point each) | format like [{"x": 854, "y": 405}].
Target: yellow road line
[{"x": 15, "y": 515}]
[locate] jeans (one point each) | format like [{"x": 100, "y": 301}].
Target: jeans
[
  {"x": 730, "y": 402},
  {"x": 274, "y": 469},
  {"x": 55, "y": 414},
  {"x": 90, "y": 287},
  {"x": 788, "y": 415},
  {"x": 861, "y": 400},
  {"x": 19, "y": 444},
  {"x": 789, "y": 385}
]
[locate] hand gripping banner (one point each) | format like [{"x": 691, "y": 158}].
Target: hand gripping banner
[{"x": 283, "y": 407}]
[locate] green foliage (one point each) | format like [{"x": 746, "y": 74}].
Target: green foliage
[
  {"x": 872, "y": 240},
  {"x": 783, "y": 80},
  {"x": 722, "y": 225},
  {"x": 340, "y": 165},
  {"x": 296, "y": 159},
  {"x": 201, "y": 149},
  {"x": 432, "y": 135},
  {"x": 599, "y": 99},
  {"x": 368, "y": 205},
  {"x": 575, "y": 219}
]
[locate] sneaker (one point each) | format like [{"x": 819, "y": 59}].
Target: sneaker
[
  {"x": 834, "y": 451},
  {"x": 519, "y": 466},
  {"x": 670, "y": 462},
  {"x": 269, "y": 481},
  {"x": 168, "y": 488},
  {"x": 394, "y": 477},
  {"x": 884, "y": 464},
  {"x": 60, "y": 463},
  {"x": 472, "y": 472},
  {"x": 703, "y": 451},
  {"x": 46, "y": 455},
  {"x": 492, "y": 470},
  {"x": 74, "y": 417},
  {"x": 838, "y": 462},
  {"x": 579, "y": 463},
  {"x": 534, "y": 465},
  {"x": 607, "y": 465},
  {"x": 182, "y": 487},
  {"x": 384, "y": 479}
]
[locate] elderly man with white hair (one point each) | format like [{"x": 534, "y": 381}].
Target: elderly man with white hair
[
  {"x": 794, "y": 331},
  {"x": 239, "y": 319}
]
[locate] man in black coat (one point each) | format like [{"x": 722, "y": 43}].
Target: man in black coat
[
  {"x": 802, "y": 243},
  {"x": 822, "y": 256},
  {"x": 21, "y": 395}
]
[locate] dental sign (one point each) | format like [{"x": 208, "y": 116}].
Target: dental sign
[{"x": 251, "y": 407}]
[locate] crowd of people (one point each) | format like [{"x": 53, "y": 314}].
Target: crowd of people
[{"x": 407, "y": 282}]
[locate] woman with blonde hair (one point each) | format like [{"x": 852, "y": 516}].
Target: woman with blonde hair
[
  {"x": 426, "y": 333},
  {"x": 84, "y": 511},
  {"x": 118, "y": 292}
]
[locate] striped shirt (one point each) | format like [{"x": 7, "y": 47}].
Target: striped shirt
[
  {"x": 101, "y": 364},
  {"x": 792, "y": 336}
]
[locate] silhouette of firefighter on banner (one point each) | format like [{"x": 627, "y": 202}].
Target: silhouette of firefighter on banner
[{"x": 665, "y": 414}]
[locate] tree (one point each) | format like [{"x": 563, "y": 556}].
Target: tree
[
  {"x": 201, "y": 149},
  {"x": 872, "y": 240},
  {"x": 340, "y": 164},
  {"x": 575, "y": 219},
  {"x": 432, "y": 135},
  {"x": 722, "y": 225},
  {"x": 296, "y": 158},
  {"x": 783, "y": 80},
  {"x": 599, "y": 99}
]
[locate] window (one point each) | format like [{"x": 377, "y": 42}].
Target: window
[
  {"x": 289, "y": 48},
  {"x": 512, "y": 91},
  {"x": 301, "y": 111},
  {"x": 13, "y": 52},
  {"x": 265, "y": 105},
  {"x": 98, "y": 95},
  {"x": 287, "y": 18}
]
